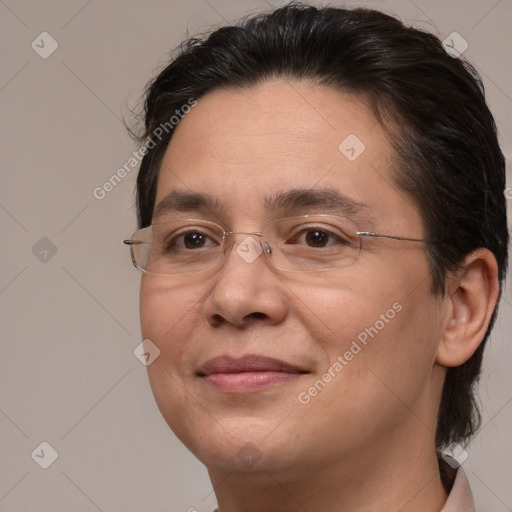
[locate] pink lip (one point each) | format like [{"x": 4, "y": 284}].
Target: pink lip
[{"x": 248, "y": 373}]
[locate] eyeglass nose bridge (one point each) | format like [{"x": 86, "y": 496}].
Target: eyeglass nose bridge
[{"x": 248, "y": 255}]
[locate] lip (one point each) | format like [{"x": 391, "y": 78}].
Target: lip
[{"x": 247, "y": 373}]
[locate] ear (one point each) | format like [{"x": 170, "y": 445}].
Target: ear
[{"x": 471, "y": 296}]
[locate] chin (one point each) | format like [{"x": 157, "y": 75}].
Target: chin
[{"x": 234, "y": 444}]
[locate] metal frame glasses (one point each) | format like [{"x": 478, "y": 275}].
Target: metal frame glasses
[{"x": 306, "y": 243}]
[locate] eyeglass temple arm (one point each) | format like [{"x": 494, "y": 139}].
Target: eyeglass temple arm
[
  {"x": 371, "y": 234},
  {"x": 133, "y": 242}
]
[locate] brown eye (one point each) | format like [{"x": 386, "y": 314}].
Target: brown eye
[
  {"x": 317, "y": 238},
  {"x": 189, "y": 241},
  {"x": 194, "y": 240}
]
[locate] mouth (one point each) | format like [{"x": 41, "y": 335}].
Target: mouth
[{"x": 248, "y": 373}]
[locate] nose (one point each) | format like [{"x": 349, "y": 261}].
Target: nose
[{"x": 246, "y": 289}]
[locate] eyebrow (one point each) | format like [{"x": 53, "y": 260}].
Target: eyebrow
[
  {"x": 326, "y": 200},
  {"x": 178, "y": 201}
]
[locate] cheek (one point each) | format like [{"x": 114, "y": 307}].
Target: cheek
[
  {"x": 166, "y": 311},
  {"x": 168, "y": 316},
  {"x": 380, "y": 340},
  {"x": 348, "y": 308}
]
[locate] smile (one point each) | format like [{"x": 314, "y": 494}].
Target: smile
[{"x": 246, "y": 374}]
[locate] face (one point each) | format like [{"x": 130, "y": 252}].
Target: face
[{"x": 261, "y": 369}]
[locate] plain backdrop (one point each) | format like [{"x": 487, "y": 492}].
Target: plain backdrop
[{"x": 68, "y": 293}]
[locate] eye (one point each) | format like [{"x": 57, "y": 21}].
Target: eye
[
  {"x": 189, "y": 240},
  {"x": 317, "y": 238},
  {"x": 194, "y": 240}
]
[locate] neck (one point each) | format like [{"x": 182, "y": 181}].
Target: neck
[{"x": 406, "y": 478}]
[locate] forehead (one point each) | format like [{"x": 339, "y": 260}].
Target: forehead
[{"x": 243, "y": 145}]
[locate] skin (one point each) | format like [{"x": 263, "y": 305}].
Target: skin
[{"x": 366, "y": 440}]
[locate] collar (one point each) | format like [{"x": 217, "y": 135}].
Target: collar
[{"x": 460, "y": 498}]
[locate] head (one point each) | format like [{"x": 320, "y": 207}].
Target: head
[{"x": 263, "y": 109}]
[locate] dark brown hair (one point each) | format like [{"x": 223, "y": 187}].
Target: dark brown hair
[{"x": 431, "y": 104}]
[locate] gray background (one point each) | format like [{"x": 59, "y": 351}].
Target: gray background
[{"x": 68, "y": 375}]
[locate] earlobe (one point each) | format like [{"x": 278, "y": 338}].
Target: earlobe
[{"x": 469, "y": 304}]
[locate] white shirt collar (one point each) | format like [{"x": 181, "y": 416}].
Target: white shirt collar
[{"x": 460, "y": 498}]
